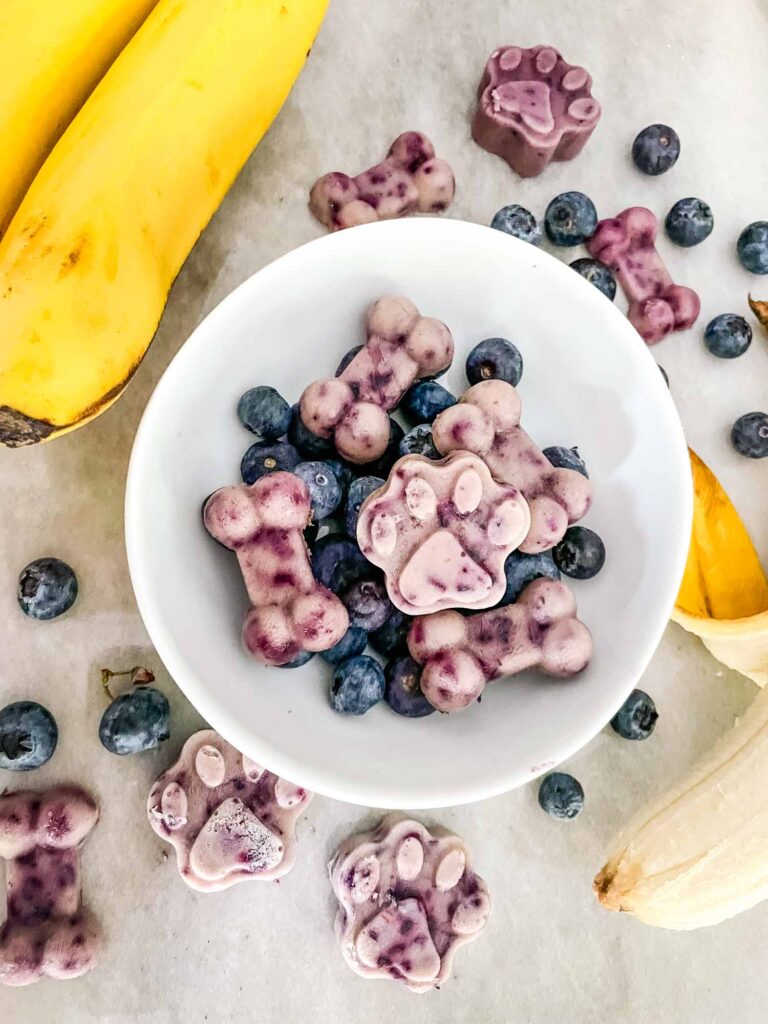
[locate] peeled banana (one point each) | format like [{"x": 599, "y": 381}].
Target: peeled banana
[{"x": 87, "y": 262}]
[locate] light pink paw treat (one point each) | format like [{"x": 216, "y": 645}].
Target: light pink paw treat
[
  {"x": 459, "y": 654},
  {"x": 46, "y": 932},
  {"x": 533, "y": 107},
  {"x": 408, "y": 898},
  {"x": 657, "y": 306},
  {"x": 441, "y": 531},
  {"x": 228, "y": 819},
  {"x": 263, "y": 525},
  {"x": 410, "y": 179},
  {"x": 402, "y": 347},
  {"x": 486, "y": 420}
]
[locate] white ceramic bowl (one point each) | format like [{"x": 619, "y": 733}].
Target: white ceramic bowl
[{"x": 588, "y": 381}]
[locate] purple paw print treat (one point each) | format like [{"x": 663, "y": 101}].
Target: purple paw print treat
[
  {"x": 486, "y": 421},
  {"x": 46, "y": 931},
  {"x": 459, "y": 654},
  {"x": 408, "y": 898},
  {"x": 411, "y": 179},
  {"x": 533, "y": 107},
  {"x": 402, "y": 347},
  {"x": 441, "y": 531},
  {"x": 263, "y": 524},
  {"x": 657, "y": 306},
  {"x": 228, "y": 819}
]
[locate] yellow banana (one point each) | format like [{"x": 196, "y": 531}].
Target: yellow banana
[
  {"x": 86, "y": 264},
  {"x": 52, "y": 53}
]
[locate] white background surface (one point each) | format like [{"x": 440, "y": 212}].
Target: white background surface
[{"x": 549, "y": 954}]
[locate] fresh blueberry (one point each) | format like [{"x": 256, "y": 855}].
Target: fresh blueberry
[
  {"x": 425, "y": 400},
  {"x": 391, "y": 638},
  {"x": 728, "y": 336},
  {"x": 358, "y": 491},
  {"x": 358, "y": 684},
  {"x": 337, "y": 562},
  {"x": 403, "y": 690},
  {"x": 28, "y": 736},
  {"x": 580, "y": 554},
  {"x": 418, "y": 441},
  {"x": 346, "y": 359},
  {"x": 521, "y": 569},
  {"x": 323, "y": 487},
  {"x": 566, "y": 458},
  {"x": 664, "y": 374},
  {"x": 494, "y": 359},
  {"x": 597, "y": 274},
  {"x": 381, "y": 467},
  {"x": 570, "y": 219},
  {"x": 689, "y": 222},
  {"x": 354, "y": 642},
  {"x": 367, "y": 603},
  {"x": 636, "y": 718},
  {"x": 749, "y": 435},
  {"x": 135, "y": 721},
  {"x": 517, "y": 221},
  {"x": 561, "y": 795},
  {"x": 47, "y": 588},
  {"x": 656, "y": 149},
  {"x": 343, "y": 473},
  {"x": 298, "y": 660},
  {"x": 309, "y": 445},
  {"x": 265, "y": 412},
  {"x": 264, "y": 457},
  {"x": 752, "y": 247}
]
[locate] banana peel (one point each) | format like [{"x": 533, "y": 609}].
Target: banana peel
[{"x": 760, "y": 309}]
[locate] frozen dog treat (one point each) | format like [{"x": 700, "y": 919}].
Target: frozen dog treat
[
  {"x": 47, "y": 931},
  {"x": 441, "y": 531},
  {"x": 408, "y": 898},
  {"x": 533, "y": 107},
  {"x": 402, "y": 347},
  {"x": 657, "y": 306},
  {"x": 486, "y": 421},
  {"x": 459, "y": 654},
  {"x": 228, "y": 819},
  {"x": 411, "y": 179},
  {"x": 262, "y": 523}
]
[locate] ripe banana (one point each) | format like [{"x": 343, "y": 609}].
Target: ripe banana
[
  {"x": 52, "y": 53},
  {"x": 86, "y": 265}
]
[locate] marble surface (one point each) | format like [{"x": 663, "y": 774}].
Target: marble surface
[{"x": 550, "y": 953}]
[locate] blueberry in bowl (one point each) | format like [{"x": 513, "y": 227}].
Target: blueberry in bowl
[
  {"x": 265, "y": 457},
  {"x": 494, "y": 359},
  {"x": 357, "y": 685},
  {"x": 264, "y": 412}
]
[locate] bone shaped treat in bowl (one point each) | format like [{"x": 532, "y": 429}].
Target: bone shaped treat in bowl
[
  {"x": 263, "y": 523},
  {"x": 486, "y": 421},
  {"x": 47, "y": 931},
  {"x": 459, "y": 654},
  {"x": 402, "y": 347}
]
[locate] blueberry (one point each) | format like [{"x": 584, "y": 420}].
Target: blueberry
[
  {"x": 517, "y": 221},
  {"x": 580, "y": 554},
  {"x": 570, "y": 219},
  {"x": 656, "y": 149},
  {"x": 418, "y": 441},
  {"x": 403, "y": 690},
  {"x": 47, "y": 588},
  {"x": 28, "y": 736},
  {"x": 664, "y": 374},
  {"x": 135, "y": 721},
  {"x": 298, "y": 660},
  {"x": 367, "y": 603},
  {"x": 521, "y": 569},
  {"x": 391, "y": 638},
  {"x": 358, "y": 491},
  {"x": 323, "y": 487},
  {"x": 561, "y": 795},
  {"x": 354, "y": 642},
  {"x": 346, "y": 359},
  {"x": 566, "y": 458},
  {"x": 309, "y": 445},
  {"x": 597, "y": 274},
  {"x": 264, "y": 457},
  {"x": 636, "y": 718},
  {"x": 752, "y": 247},
  {"x": 343, "y": 473},
  {"x": 494, "y": 359},
  {"x": 358, "y": 684},
  {"x": 728, "y": 336},
  {"x": 337, "y": 562},
  {"x": 749, "y": 435},
  {"x": 689, "y": 222},
  {"x": 265, "y": 412},
  {"x": 381, "y": 467},
  {"x": 425, "y": 400}
]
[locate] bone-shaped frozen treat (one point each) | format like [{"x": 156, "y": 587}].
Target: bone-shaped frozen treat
[
  {"x": 460, "y": 654},
  {"x": 657, "y": 306},
  {"x": 47, "y": 931},
  {"x": 486, "y": 421},
  {"x": 402, "y": 347},
  {"x": 263, "y": 523},
  {"x": 410, "y": 179}
]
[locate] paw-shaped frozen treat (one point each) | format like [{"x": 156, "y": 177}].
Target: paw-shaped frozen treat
[
  {"x": 533, "y": 107},
  {"x": 402, "y": 347},
  {"x": 441, "y": 531},
  {"x": 408, "y": 898},
  {"x": 657, "y": 306},
  {"x": 486, "y": 421},
  {"x": 263, "y": 523},
  {"x": 228, "y": 819},
  {"x": 459, "y": 654},
  {"x": 47, "y": 931},
  {"x": 411, "y": 179}
]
